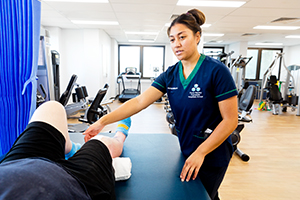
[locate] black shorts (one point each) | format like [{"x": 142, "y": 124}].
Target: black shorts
[{"x": 91, "y": 165}]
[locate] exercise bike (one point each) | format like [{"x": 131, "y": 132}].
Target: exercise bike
[{"x": 93, "y": 109}]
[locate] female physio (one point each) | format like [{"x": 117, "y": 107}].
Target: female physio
[{"x": 203, "y": 99}]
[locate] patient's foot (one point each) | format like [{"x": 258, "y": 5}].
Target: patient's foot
[
  {"x": 75, "y": 148},
  {"x": 123, "y": 126}
]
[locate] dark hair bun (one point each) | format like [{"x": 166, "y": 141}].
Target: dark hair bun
[{"x": 199, "y": 16}]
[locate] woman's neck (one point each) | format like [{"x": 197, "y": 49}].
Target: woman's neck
[{"x": 189, "y": 65}]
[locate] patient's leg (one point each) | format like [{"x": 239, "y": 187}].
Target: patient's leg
[
  {"x": 53, "y": 113},
  {"x": 115, "y": 144}
]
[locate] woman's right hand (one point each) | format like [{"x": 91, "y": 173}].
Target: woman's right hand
[{"x": 92, "y": 131}]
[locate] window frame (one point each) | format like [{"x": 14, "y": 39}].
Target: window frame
[
  {"x": 213, "y": 47},
  {"x": 142, "y": 57},
  {"x": 259, "y": 57}
]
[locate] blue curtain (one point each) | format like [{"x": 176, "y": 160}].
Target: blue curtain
[{"x": 19, "y": 47}]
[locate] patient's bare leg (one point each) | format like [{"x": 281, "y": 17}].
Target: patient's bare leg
[
  {"x": 53, "y": 113},
  {"x": 114, "y": 145}
]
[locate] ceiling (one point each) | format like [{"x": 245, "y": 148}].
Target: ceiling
[{"x": 152, "y": 15}]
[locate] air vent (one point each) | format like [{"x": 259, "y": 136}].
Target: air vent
[
  {"x": 174, "y": 16},
  {"x": 249, "y": 34},
  {"x": 286, "y": 20}
]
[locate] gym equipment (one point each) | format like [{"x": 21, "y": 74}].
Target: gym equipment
[
  {"x": 55, "y": 66},
  {"x": 275, "y": 99},
  {"x": 238, "y": 71},
  {"x": 225, "y": 58},
  {"x": 290, "y": 91},
  {"x": 127, "y": 77},
  {"x": 170, "y": 117},
  {"x": 48, "y": 68},
  {"x": 67, "y": 93},
  {"x": 43, "y": 72},
  {"x": 81, "y": 104},
  {"x": 39, "y": 98},
  {"x": 95, "y": 111},
  {"x": 245, "y": 104},
  {"x": 274, "y": 96}
]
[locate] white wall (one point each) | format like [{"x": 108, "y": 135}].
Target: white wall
[
  {"x": 239, "y": 48},
  {"x": 88, "y": 53},
  {"x": 55, "y": 37},
  {"x": 292, "y": 57}
]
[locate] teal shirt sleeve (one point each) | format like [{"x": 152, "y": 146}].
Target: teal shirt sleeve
[
  {"x": 160, "y": 83},
  {"x": 224, "y": 85}
]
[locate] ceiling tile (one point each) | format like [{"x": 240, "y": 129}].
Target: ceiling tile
[
  {"x": 143, "y": 8},
  {"x": 145, "y": 15}
]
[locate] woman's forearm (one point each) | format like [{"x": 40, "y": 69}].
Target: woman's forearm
[
  {"x": 127, "y": 109},
  {"x": 229, "y": 112},
  {"x": 218, "y": 136},
  {"x": 132, "y": 106}
]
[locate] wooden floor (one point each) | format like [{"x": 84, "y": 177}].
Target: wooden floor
[{"x": 271, "y": 141}]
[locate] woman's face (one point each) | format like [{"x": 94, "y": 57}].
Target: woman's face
[{"x": 183, "y": 41}]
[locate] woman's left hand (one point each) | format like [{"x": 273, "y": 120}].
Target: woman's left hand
[{"x": 192, "y": 166}]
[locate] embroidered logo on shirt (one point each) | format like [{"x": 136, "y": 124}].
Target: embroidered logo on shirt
[{"x": 195, "y": 92}]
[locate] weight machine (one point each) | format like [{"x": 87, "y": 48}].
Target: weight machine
[
  {"x": 238, "y": 71},
  {"x": 277, "y": 101}
]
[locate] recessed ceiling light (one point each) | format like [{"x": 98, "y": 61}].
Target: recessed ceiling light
[
  {"x": 205, "y": 25},
  {"x": 277, "y": 27},
  {"x": 293, "y": 36},
  {"x": 213, "y": 34},
  {"x": 80, "y": 1},
  {"x": 95, "y": 22},
  {"x": 268, "y": 43},
  {"x": 140, "y": 33},
  {"x": 210, "y": 3}
]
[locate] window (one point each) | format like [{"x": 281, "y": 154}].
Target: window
[
  {"x": 149, "y": 60},
  {"x": 213, "y": 51},
  {"x": 129, "y": 56},
  {"x": 267, "y": 57},
  {"x": 251, "y": 67},
  {"x": 153, "y": 61},
  {"x": 262, "y": 59}
]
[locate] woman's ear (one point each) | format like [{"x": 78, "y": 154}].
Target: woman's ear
[{"x": 198, "y": 37}]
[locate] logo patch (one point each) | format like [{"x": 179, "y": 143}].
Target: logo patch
[{"x": 195, "y": 92}]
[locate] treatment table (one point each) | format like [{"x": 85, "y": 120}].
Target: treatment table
[{"x": 156, "y": 165}]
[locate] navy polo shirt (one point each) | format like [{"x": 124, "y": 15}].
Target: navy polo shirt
[{"x": 194, "y": 103}]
